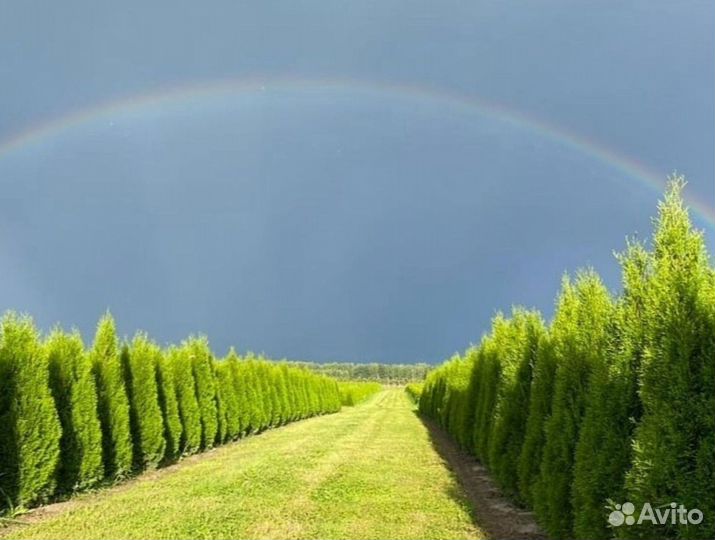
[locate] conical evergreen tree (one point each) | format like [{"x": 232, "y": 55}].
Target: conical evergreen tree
[
  {"x": 229, "y": 398},
  {"x": 112, "y": 401},
  {"x": 29, "y": 425},
  {"x": 221, "y": 406},
  {"x": 201, "y": 359},
  {"x": 189, "y": 413},
  {"x": 517, "y": 358},
  {"x": 674, "y": 447},
  {"x": 291, "y": 403},
  {"x": 147, "y": 422},
  {"x": 579, "y": 332},
  {"x": 540, "y": 398},
  {"x": 253, "y": 397},
  {"x": 488, "y": 379},
  {"x": 75, "y": 395},
  {"x": 242, "y": 400},
  {"x": 168, "y": 401},
  {"x": 603, "y": 451}
]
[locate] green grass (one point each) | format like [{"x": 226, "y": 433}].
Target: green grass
[{"x": 367, "y": 472}]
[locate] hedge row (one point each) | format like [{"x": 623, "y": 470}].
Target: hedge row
[
  {"x": 354, "y": 392},
  {"x": 71, "y": 418},
  {"x": 414, "y": 390},
  {"x": 613, "y": 401}
]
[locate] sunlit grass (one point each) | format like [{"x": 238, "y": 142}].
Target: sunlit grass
[{"x": 368, "y": 472}]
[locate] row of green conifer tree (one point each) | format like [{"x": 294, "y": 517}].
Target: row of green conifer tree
[
  {"x": 72, "y": 418},
  {"x": 354, "y": 392},
  {"x": 613, "y": 401}
]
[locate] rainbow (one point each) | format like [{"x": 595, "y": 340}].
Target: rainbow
[{"x": 186, "y": 94}]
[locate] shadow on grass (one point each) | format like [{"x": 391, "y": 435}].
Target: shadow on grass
[{"x": 490, "y": 510}]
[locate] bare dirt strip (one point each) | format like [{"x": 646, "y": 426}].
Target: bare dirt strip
[{"x": 498, "y": 517}]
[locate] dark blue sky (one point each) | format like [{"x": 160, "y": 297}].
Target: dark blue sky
[{"x": 356, "y": 221}]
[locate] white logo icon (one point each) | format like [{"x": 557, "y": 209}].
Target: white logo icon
[{"x": 624, "y": 514}]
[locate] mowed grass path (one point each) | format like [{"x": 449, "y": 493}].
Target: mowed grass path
[{"x": 367, "y": 472}]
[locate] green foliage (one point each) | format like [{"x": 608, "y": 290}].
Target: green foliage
[
  {"x": 228, "y": 396},
  {"x": 603, "y": 452},
  {"x": 385, "y": 483},
  {"x": 75, "y": 395},
  {"x": 414, "y": 390},
  {"x": 354, "y": 392},
  {"x": 247, "y": 400},
  {"x": 180, "y": 361},
  {"x": 614, "y": 401},
  {"x": 447, "y": 395},
  {"x": 458, "y": 412},
  {"x": 374, "y": 372},
  {"x": 674, "y": 458},
  {"x": 291, "y": 395},
  {"x": 516, "y": 358},
  {"x": 264, "y": 396},
  {"x": 69, "y": 416},
  {"x": 486, "y": 378},
  {"x": 259, "y": 414},
  {"x": 540, "y": 397},
  {"x": 253, "y": 400},
  {"x": 282, "y": 404},
  {"x": 112, "y": 402},
  {"x": 29, "y": 425},
  {"x": 169, "y": 403},
  {"x": 202, "y": 366},
  {"x": 274, "y": 396},
  {"x": 147, "y": 422},
  {"x": 579, "y": 332}
]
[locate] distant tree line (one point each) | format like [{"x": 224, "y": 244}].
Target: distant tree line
[
  {"x": 71, "y": 417},
  {"x": 612, "y": 402},
  {"x": 382, "y": 373}
]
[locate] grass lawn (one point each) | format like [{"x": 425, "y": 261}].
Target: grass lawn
[{"x": 367, "y": 472}]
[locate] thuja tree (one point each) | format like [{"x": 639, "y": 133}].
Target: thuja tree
[
  {"x": 487, "y": 377},
  {"x": 181, "y": 366},
  {"x": 674, "y": 451},
  {"x": 313, "y": 400},
  {"x": 579, "y": 332},
  {"x": 29, "y": 424},
  {"x": 241, "y": 390},
  {"x": 147, "y": 423},
  {"x": 433, "y": 391},
  {"x": 112, "y": 402},
  {"x": 168, "y": 401},
  {"x": 228, "y": 399},
  {"x": 457, "y": 412},
  {"x": 201, "y": 363},
  {"x": 621, "y": 403},
  {"x": 75, "y": 395},
  {"x": 291, "y": 399},
  {"x": 301, "y": 393},
  {"x": 463, "y": 417},
  {"x": 282, "y": 413},
  {"x": 220, "y": 400},
  {"x": 262, "y": 412},
  {"x": 264, "y": 392},
  {"x": 603, "y": 452},
  {"x": 268, "y": 380},
  {"x": 540, "y": 398},
  {"x": 517, "y": 357},
  {"x": 253, "y": 402}
]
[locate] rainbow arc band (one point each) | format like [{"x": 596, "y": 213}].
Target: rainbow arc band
[{"x": 190, "y": 93}]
